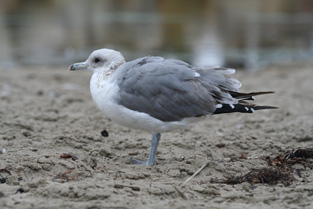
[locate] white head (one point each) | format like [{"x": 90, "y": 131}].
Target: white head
[{"x": 100, "y": 60}]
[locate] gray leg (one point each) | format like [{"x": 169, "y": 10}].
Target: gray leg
[{"x": 154, "y": 145}]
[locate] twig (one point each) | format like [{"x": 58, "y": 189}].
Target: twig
[
  {"x": 196, "y": 173},
  {"x": 182, "y": 195}
]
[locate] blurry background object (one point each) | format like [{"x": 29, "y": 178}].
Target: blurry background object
[{"x": 248, "y": 34}]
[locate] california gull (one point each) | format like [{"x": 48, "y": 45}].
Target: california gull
[{"x": 158, "y": 95}]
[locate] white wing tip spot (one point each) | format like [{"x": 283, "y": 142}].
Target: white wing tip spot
[
  {"x": 252, "y": 110},
  {"x": 247, "y": 109},
  {"x": 232, "y": 106},
  {"x": 229, "y": 71},
  {"x": 219, "y": 106}
]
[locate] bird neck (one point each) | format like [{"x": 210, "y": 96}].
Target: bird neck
[{"x": 112, "y": 68}]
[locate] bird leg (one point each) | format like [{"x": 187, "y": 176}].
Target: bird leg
[{"x": 154, "y": 145}]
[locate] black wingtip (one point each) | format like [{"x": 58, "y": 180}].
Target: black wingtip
[
  {"x": 248, "y": 96},
  {"x": 264, "y": 107},
  {"x": 231, "y": 108}
]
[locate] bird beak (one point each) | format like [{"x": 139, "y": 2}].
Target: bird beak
[{"x": 78, "y": 66}]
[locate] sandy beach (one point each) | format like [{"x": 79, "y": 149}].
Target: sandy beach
[{"x": 54, "y": 156}]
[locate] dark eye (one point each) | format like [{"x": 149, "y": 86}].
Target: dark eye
[{"x": 96, "y": 60}]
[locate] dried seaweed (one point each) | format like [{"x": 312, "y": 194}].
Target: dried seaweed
[
  {"x": 3, "y": 170},
  {"x": 69, "y": 155},
  {"x": 65, "y": 176},
  {"x": 264, "y": 175},
  {"x": 296, "y": 156},
  {"x": 281, "y": 170}
]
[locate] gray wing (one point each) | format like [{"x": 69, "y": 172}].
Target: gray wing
[{"x": 167, "y": 89}]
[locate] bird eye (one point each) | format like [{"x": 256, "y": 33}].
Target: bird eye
[{"x": 96, "y": 60}]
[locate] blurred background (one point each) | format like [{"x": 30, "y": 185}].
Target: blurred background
[{"x": 246, "y": 34}]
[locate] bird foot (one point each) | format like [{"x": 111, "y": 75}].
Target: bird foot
[
  {"x": 151, "y": 159},
  {"x": 140, "y": 162}
]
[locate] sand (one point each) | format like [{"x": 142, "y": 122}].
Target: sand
[{"x": 47, "y": 113}]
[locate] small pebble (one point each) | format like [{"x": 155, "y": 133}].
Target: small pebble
[
  {"x": 33, "y": 149},
  {"x": 20, "y": 190},
  {"x": 104, "y": 133},
  {"x": 3, "y": 180},
  {"x": 40, "y": 93}
]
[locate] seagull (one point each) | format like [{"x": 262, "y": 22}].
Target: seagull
[{"x": 157, "y": 95}]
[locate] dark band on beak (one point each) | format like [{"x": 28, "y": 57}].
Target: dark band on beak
[
  {"x": 78, "y": 66},
  {"x": 71, "y": 67}
]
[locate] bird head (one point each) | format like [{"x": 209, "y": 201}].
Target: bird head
[{"x": 102, "y": 60}]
